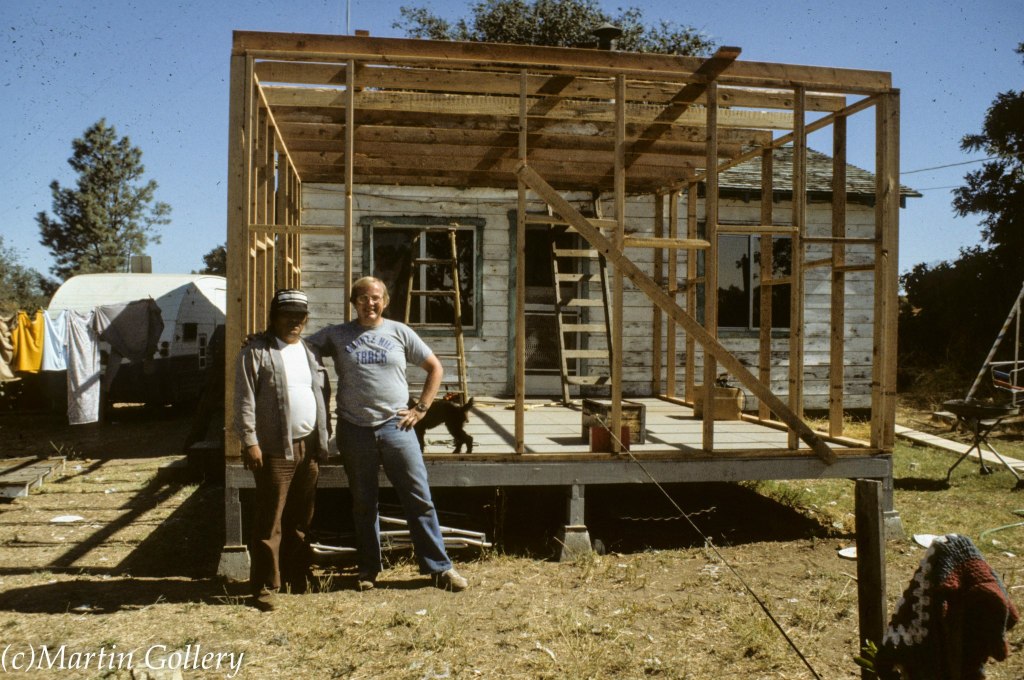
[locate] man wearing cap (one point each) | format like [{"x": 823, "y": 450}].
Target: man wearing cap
[{"x": 281, "y": 420}]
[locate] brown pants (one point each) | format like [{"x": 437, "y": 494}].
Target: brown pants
[{"x": 285, "y": 500}]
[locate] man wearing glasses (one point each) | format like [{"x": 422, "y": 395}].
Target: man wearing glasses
[{"x": 375, "y": 428}]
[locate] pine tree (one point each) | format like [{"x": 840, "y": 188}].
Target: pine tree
[
  {"x": 110, "y": 215},
  {"x": 20, "y": 287}
]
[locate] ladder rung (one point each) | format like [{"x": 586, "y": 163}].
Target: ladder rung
[
  {"x": 451, "y": 357},
  {"x": 587, "y": 379},
  {"x": 578, "y": 277},
  {"x": 413, "y": 324},
  {"x": 433, "y": 260},
  {"x": 585, "y": 354},
  {"x": 575, "y": 252},
  {"x": 433, "y": 293},
  {"x": 584, "y": 328},
  {"x": 583, "y": 302}
]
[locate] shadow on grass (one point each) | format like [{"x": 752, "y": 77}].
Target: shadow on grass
[
  {"x": 114, "y": 594},
  {"x": 920, "y": 484}
]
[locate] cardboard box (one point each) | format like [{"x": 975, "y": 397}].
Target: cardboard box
[{"x": 728, "y": 402}]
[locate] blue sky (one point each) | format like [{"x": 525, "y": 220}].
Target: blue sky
[{"x": 158, "y": 71}]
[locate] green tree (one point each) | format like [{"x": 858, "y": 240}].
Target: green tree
[
  {"x": 109, "y": 215},
  {"x": 554, "y": 23},
  {"x": 216, "y": 261},
  {"x": 953, "y": 310},
  {"x": 20, "y": 286}
]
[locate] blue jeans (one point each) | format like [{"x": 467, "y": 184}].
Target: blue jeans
[{"x": 363, "y": 451}]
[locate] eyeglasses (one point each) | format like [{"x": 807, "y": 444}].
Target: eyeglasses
[{"x": 363, "y": 299}]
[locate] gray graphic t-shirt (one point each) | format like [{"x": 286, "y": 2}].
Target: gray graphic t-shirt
[{"x": 371, "y": 366}]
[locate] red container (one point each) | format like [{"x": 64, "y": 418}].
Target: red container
[{"x": 601, "y": 439}]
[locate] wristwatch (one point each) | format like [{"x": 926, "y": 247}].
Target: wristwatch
[{"x": 421, "y": 407}]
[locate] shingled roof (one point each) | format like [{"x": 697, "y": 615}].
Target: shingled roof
[{"x": 745, "y": 178}]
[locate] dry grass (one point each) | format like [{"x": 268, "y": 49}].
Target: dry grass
[{"x": 136, "y": 573}]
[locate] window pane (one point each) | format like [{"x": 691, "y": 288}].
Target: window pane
[
  {"x": 781, "y": 259},
  {"x": 733, "y": 281},
  {"x": 392, "y": 263}
]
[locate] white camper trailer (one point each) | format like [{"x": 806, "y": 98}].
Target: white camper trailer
[{"x": 192, "y": 307}]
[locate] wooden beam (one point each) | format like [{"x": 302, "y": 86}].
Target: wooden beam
[
  {"x": 673, "y": 310},
  {"x": 350, "y": 126},
  {"x": 668, "y": 243},
  {"x": 659, "y": 278},
  {"x": 837, "y": 320},
  {"x": 796, "y": 290},
  {"x": 388, "y": 77},
  {"x": 690, "y": 378},
  {"x": 520, "y": 245},
  {"x": 887, "y": 201},
  {"x": 314, "y": 47},
  {"x": 764, "y": 333},
  {"x": 618, "y": 243},
  {"x": 711, "y": 266}
]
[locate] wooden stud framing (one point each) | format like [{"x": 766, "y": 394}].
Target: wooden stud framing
[
  {"x": 837, "y": 330},
  {"x": 350, "y": 126},
  {"x": 520, "y": 322},
  {"x": 711, "y": 265},
  {"x": 883, "y": 393},
  {"x": 659, "y": 277},
  {"x": 673, "y": 290},
  {"x": 691, "y": 292},
  {"x": 767, "y": 274},
  {"x": 618, "y": 241},
  {"x": 796, "y": 304}
]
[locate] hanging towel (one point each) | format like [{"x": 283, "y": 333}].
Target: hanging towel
[
  {"x": 55, "y": 346},
  {"x": 83, "y": 369},
  {"x": 6, "y": 351},
  {"x": 27, "y": 339},
  {"x": 133, "y": 329},
  {"x": 952, "y": 617}
]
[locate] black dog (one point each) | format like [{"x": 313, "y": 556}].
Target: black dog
[{"x": 454, "y": 418}]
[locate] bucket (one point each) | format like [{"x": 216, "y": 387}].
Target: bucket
[{"x": 601, "y": 439}]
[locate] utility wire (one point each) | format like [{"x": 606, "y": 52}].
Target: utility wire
[
  {"x": 707, "y": 541},
  {"x": 950, "y": 165}
]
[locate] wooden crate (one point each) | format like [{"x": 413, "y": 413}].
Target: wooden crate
[{"x": 598, "y": 413}]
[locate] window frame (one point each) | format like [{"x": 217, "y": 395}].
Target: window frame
[{"x": 473, "y": 226}]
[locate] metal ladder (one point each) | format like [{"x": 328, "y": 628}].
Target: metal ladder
[
  {"x": 451, "y": 264},
  {"x": 578, "y": 267}
]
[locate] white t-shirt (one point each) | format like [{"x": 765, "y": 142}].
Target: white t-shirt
[{"x": 301, "y": 400}]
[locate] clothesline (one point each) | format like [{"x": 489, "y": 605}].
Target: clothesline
[{"x": 70, "y": 340}]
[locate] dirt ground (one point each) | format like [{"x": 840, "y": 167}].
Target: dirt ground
[{"x": 131, "y": 586}]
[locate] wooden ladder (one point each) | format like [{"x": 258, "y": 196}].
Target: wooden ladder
[
  {"x": 451, "y": 265},
  {"x": 581, "y": 267}
]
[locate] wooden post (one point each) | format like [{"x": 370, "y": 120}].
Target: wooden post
[
  {"x": 796, "y": 297},
  {"x": 620, "y": 233},
  {"x": 871, "y": 607},
  {"x": 837, "y": 328},
  {"x": 711, "y": 264},
  {"x": 659, "y": 277},
  {"x": 767, "y": 274},
  {"x": 887, "y": 203},
  {"x": 690, "y": 378},
  {"x": 239, "y": 151},
  {"x": 671, "y": 336},
  {"x": 520, "y": 259},
  {"x": 350, "y": 149}
]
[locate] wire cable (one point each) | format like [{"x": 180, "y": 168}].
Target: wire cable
[
  {"x": 714, "y": 548},
  {"x": 950, "y": 165}
]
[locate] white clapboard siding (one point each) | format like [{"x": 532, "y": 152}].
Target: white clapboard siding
[{"x": 488, "y": 345}]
